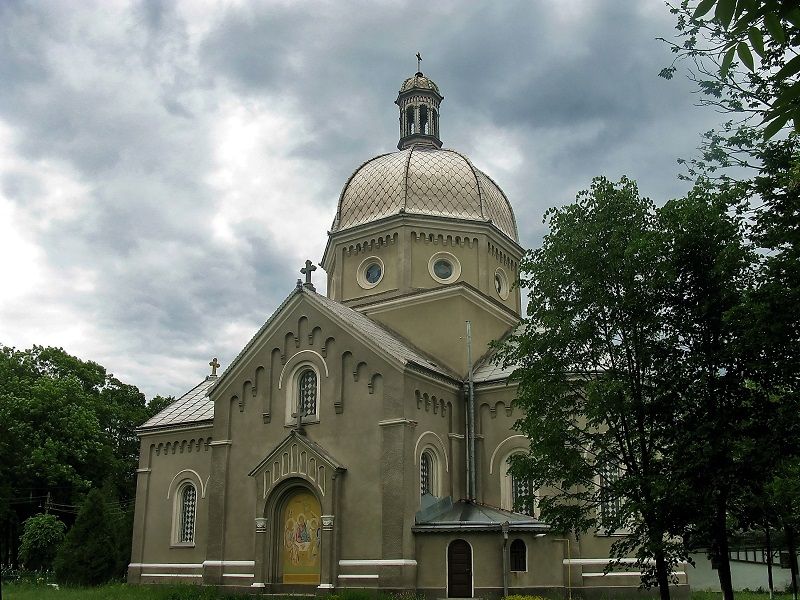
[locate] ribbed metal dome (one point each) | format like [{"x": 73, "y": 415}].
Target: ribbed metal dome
[
  {"x": 419, "y": 81},
  {"x": 423, "y": 180}
]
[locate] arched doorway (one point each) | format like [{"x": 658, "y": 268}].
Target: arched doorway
[
  {"x": 300, "y": 527},
  {"x": 459, "y": 569}
]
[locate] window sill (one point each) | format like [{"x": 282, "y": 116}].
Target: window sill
[
  {"x": 617, "y": 533},
  {"x": 293, "y": 424},
  {"x": 182, "y": 545}
]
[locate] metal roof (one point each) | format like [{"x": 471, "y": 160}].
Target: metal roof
[
  {"x": 422, "y": 180},
  {"x": 449, "y": 516},
  {"x": 380, "y": 336},
  {"x": 193, "y": 407}
]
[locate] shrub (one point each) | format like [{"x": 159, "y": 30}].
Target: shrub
[
  {"x": 41, "y": 536},
  {"x": 89, "y": 553}
]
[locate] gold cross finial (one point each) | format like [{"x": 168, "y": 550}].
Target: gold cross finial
[
  {"x": 307, "y": 270},
  {"x": 214, "y": 364}
]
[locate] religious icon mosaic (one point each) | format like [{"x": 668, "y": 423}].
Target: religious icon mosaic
[{"x": 300, "y": 546}]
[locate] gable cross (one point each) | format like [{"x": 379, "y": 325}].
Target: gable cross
[
  {"x": 214, "y": 364},
  {"x": 307, "y": 270}
]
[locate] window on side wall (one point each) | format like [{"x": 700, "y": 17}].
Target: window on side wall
[
  {"x": 519, "y": 558},
  {"x": 428, "y": 473},
  {"x": 186, "y": 513}
]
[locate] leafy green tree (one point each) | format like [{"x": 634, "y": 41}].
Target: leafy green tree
[
  {"x": 66, "y": 425},
  {"x": 598, "y": 411},
  {"x": 88, "y": 555},
  {"x": 743, "y": 55},
  {"x": 709, "y": 267},
  {"x": 41, "y": 536}
]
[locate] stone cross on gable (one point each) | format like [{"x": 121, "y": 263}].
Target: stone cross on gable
[
  {"x": 307, "y": 270},
  {"x": 214, "y": 364}
]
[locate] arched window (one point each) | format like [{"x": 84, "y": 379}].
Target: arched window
[
  {"x": 518, "y": 553},
  {"x": 521, "y": 496},
  {"x": 307, "y": 393},
  {"x": 425, "y": 474},
  {"x": 410, "y": 120},
  {"x": 435, "y": 122},
  {"x": 423, "y": 120},
  {"x": 517, "y": 494},
  {"x": 428, "y": 473},
  {"x": 187, "y": 497}
]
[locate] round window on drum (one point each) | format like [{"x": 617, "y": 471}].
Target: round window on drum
[
  {"x": 444, "y": 267},
  {"x": 501, "y": 285},
  {"x": 370, "y": 272}
]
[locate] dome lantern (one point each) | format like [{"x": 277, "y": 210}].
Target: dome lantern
[{"x": 418, "y": 100}]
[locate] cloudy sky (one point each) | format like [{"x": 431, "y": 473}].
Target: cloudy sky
[{"x": 166, "y": 167}]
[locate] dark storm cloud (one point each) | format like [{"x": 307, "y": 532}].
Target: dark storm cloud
[{"x": 129, "y": 105}]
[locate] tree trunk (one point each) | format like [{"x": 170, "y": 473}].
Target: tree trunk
[
  {"x": 792, "y": 544},
  {"x": 721, "y": 550},
  {"x": 769, "y": 562},
  {"x": 662, "y": 575}
]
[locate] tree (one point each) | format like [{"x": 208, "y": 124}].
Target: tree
[
  {"x": 66, "y": 425},
  {"x": 88, "y": 555},
  {"x": 764, "y": 36},
  {"x": 41, "y": 536},
  {"x": 600, "y": 424},
  {"x": 708, "y": 267}
]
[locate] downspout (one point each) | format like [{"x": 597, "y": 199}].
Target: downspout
[
  {"x": 472, "y": 495},
  {"x": 504, "y": 527}
]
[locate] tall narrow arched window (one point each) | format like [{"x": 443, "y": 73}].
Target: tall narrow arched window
[
  {"x": 409, "y": 120},
  {"x": 307, "y": 393},
  {"x": 423, "y": 120},
  {"x": 435, "y": 121},
  {"x": 518, "y": 557},
  {"x": 188, "y": 510},
  {"x": 522, "y": 496},
  {"x": 425, "y": 473}
]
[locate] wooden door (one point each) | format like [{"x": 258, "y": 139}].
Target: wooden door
[{"x": 459, "y": 569}]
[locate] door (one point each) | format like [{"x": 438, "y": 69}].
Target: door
[
  {"x": 300, "y": 538},
  {"x": 459, "y": 569}
]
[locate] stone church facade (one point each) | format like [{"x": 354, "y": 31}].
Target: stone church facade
[{"x": 344, "y": 447}]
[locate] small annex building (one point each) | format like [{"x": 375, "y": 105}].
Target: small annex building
[{"x": 333, "y": 452}]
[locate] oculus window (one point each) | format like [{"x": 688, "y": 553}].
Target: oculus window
[
  {"x": 444, "y": 267},
  {"x": 370, "y": 272},
  {"x": 501, "y": 283}
]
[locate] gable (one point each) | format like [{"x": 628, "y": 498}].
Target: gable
[
  {"x": 296, "y": 456},
  {"x": 309, "y": 323}
]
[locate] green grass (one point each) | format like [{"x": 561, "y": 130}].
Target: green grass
[
  {"x": 121, "y": 591},
  {"x": 116, "y": 591}
]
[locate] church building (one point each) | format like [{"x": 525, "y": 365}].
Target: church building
[{"x": 361, "y": 438}]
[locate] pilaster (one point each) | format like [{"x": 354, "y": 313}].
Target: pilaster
[{"x": 217, "y": 485}]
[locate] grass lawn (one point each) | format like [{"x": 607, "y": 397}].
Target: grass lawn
[
  {"x": 117, "y": 591},
  {"x": 121, "y": 591}
]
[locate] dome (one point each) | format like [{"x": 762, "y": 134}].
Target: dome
[
  {"x": 419, "y": 81},
  {"x": 423, "y": 180}
]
